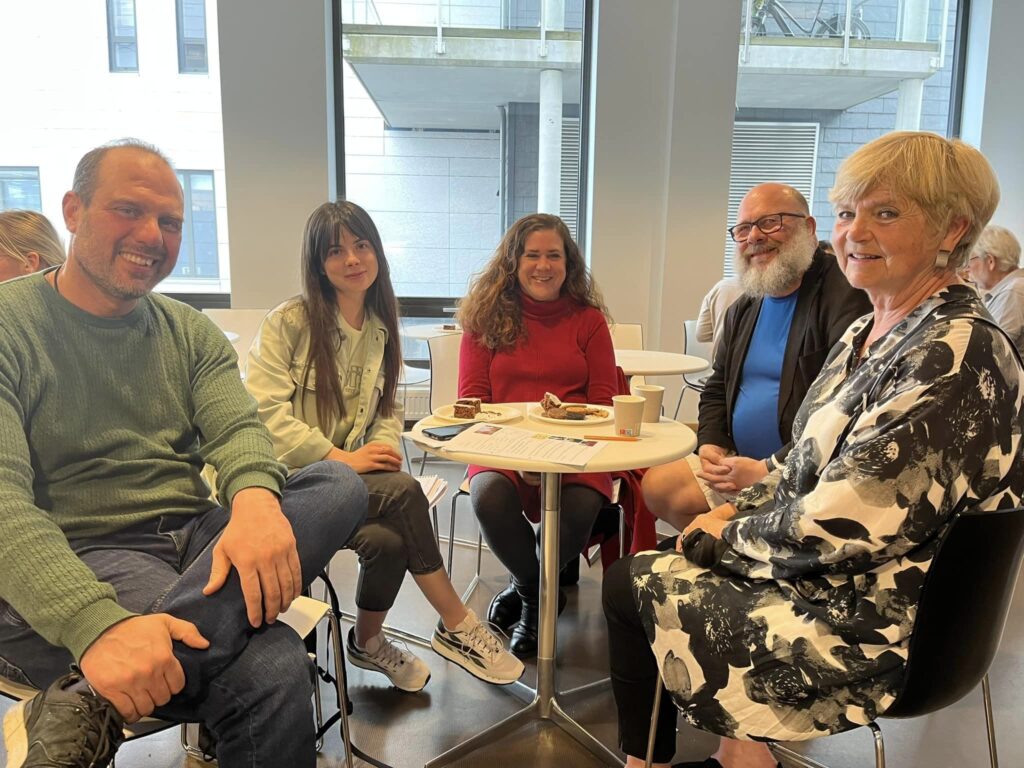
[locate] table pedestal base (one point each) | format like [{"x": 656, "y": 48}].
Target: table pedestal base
[{"x": 544, "y": 706}]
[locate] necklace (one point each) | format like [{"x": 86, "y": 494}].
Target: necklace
[{"x": 55, "y": 275}]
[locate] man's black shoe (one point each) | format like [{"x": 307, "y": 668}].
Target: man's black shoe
[{"x": 62, "y": 728}]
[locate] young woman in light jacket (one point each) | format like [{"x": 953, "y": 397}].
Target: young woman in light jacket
[{"x": 324, "y": 369}]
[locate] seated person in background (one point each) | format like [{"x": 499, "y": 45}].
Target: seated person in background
[
  {"x": 775, "y": 340},
  {"x": 713, "y": 307},
  {"x": 993, "y": 267},
  {"x": 28, "y": 243},
  {"x": 324, "y": 368},
  {"x": 534, "y": 322},
  {"x": 793, "y": 618},
  {"x": 112, "y": 554}
]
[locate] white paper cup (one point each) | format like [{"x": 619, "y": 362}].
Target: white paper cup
[
  {"x": 629, "y": 412},
  {"x": 653, "y": 396}
]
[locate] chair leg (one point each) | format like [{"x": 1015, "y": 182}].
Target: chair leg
[
  {"x": 649, "y": 758},
  {"x": 622, "y": 532},
  {"x": 990, "y": 723},
  {"x": 451, "y": 534},
  {"x": 437, "y": 529},
  {"x": 340, "y": 685},
  {"x": 879, "y": 745}
]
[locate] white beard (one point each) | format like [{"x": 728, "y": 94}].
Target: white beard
[{"x": 785, "y": 270}]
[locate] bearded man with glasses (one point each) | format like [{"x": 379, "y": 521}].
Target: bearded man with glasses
[{"x": 776, "y": 337}]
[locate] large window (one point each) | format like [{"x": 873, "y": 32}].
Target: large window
[
  {"x": 198, "y": 255},
  {"x": 122, "y": 40},
  {"x": 799, "y": 68},
  {"x": 59, "y": 117},
  {"x": 191, "y": 35},
  {"x": 19, "y": 188},
  {"x": 459, "y": 119}
]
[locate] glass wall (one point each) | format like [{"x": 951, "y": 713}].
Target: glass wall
[
  {"x": 460, "y": 117},
  {"x": 89, "y": 73},
  {"x": 801, "y": 65}
]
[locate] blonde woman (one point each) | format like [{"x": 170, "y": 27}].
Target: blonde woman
[
  {"x": 28, "y": 243},
  {"x": 788, "y": 614}
]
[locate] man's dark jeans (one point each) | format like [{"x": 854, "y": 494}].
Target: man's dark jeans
[{"x": 252, "y": 687}]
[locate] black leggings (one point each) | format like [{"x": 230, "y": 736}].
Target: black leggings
[
  {"x": 511, "y": 537},
  {"x": 634, "y": 671}
]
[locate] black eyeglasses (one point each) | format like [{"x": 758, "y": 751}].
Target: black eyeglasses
[{"x": 767, "y": 225}]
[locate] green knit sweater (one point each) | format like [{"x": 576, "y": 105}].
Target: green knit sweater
[{"x": 106, "y": 423}]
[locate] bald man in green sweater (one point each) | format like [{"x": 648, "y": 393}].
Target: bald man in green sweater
[{"x": 112, "y": 554}]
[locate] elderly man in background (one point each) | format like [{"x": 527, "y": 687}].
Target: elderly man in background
[
  {"x": 797, "y": 304},
  {"x": 993, "y": 267},
  {"x": 113, "y": 556}
]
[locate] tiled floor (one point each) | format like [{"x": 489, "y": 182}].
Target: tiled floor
[{"x": 406, "y": 730}]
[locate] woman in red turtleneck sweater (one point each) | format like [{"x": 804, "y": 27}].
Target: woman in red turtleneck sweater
[{"x": 534, "y": 323}]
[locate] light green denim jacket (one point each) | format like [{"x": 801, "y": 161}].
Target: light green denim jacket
[{"x": 273, "y": 376}]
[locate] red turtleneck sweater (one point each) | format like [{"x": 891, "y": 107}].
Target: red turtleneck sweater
[{"x": 566, "y": 350}]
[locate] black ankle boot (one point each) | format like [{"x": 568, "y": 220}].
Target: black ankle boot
[
  {"x": 569, "y": 576},
  {"x": 504, "y": 610},
  {"x": 524, "y": 636}
]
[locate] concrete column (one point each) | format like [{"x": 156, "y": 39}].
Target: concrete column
[
  {"x": 915, "y": 21},
  {"x": 914, "y": 26},
  {"x": 908, "y": 106},
  {"x": 549, "y": 150}
]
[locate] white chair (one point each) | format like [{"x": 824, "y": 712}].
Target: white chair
[
  {"x": 303, "y": 616},
  {"x": 444, "y": 373},
  {"x": 702, "y": 349},
  {"x": 628, "y": 336},
  {"x": 243, "y": 322}
]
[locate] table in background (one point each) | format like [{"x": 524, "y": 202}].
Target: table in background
[
  {"x": 648, "y": 362},
  {"x": 424, "y": 332},
  {"x": 659, "y": 444}
]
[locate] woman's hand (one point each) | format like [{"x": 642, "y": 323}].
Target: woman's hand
[
  {"x": 733, "y": 473},
  {"x": 372, "y": 457},
  {"x": 712, "y": 522},
  {"x": 531, "y": 478}
]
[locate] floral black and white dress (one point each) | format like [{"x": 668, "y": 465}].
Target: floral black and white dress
[{"x": 801, "y": 628}]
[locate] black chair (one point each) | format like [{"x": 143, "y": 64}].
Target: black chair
[{"x": 960, "y": 618}]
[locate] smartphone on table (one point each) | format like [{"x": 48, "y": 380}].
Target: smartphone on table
[{"x": 446, "y": 432}]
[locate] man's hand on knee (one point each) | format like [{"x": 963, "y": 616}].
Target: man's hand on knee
[
  {"x": 258, "y": 541},
  {"x": 132, "y": 664}
]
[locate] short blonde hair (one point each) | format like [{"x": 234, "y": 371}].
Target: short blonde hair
[
  {"x": 946, "y": 178},
  {"x": 999, "y": 243},
  {"x": 24, "y": 231}
]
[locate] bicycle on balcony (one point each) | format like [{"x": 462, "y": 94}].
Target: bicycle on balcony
[{"x": 771, "y": 17}]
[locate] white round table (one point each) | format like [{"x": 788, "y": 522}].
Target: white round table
[
  {"x": 658, "y": 444},
  {"x": 424, "y": 332},
  {"x": 649, "y": 362},
  {"x": 232, "y": 336}
]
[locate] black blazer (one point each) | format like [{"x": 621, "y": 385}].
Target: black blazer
[{"x": 825, "y": 307}]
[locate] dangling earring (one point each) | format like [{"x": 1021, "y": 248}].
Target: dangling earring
[{"x": 942, "y": 259}]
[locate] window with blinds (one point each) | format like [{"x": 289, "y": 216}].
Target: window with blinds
[
  {"x": 568, "y": 200},
  {"x": 762, "y": 152}
]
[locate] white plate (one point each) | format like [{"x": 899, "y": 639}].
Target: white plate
[
  {"x": 536, "y": 412},
  {"x": 494, "y": 414}
]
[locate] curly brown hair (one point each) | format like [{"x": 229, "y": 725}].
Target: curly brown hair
[{"x": 493, "y": 310}]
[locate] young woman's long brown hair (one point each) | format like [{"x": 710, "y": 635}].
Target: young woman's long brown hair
[
  {"x": 492, "y": 309},
  {"x": 320, "y": 302}
]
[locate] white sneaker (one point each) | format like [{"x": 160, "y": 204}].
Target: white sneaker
[
  {"x": 402, "y": 667},
  {"x": 479, "y": 651}
]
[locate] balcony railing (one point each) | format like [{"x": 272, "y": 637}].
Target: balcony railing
[
  {"x": 478, "y": 14},
  {"x": 910, "y": 21}
]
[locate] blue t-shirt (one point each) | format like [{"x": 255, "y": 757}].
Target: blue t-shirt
[{"x": 755, "y": 418}]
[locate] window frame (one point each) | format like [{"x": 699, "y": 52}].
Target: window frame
[
  {"x": 13, "y": 169},
  {"x": 188, "y": 241},
  {"x": 114, "y": 40},
  {"x": 183, "y": 42}
]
